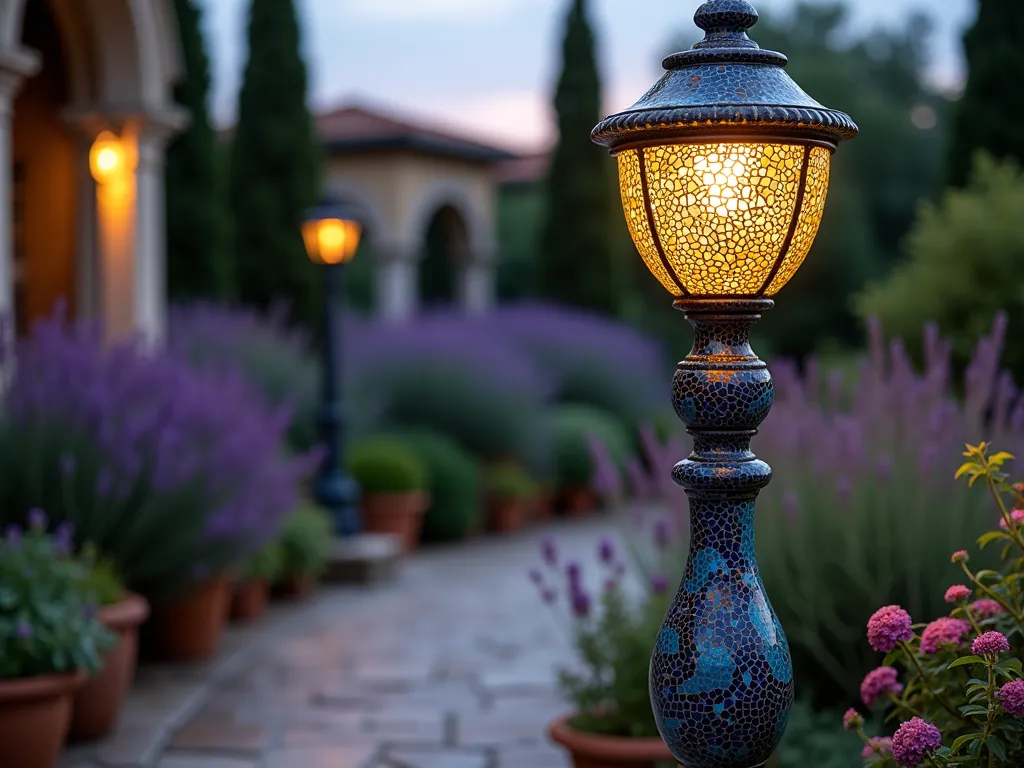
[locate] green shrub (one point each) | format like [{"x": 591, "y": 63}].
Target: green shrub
[
  {"x": 265, "y": 565},
  {"x": 102, "y": 576},
  {"x": 509, "y": 482},
  {"x": 486, "y": 418},
  {"x": 817, "y": 738},
  {"x": 574, "y": 426},
  {"x": 966, "y": 263},
  {"x": 386, "y": 466},
  {"x": 305, "y": 542},
  {"x": 455, "y": 487}
]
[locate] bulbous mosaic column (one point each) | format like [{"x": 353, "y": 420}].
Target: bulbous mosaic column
[
  {"x": 721, "y": 677},
  {"x": 724, "y": 169}
]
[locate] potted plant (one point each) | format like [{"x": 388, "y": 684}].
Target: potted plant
[
  {"x": 98, "y": 703},
  {"x": 392, "y": 481},
  {"x": 188, "y": 626},
  {"x": 510, "y": 492},
  {"x": 50, "y": 639},
  {"x": 612, "y": 723},
  {"x": 249, "y": 599},
  {"x": 305, "y": 549},
  {"x": 576, "y": 429}
]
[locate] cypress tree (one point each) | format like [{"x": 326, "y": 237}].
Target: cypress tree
[
  {"x": 274, "y": 167},
  {"x": 577, "y": 263},
  {"x": 990, "y": 116},
  {"x": 198, "y": 260}
]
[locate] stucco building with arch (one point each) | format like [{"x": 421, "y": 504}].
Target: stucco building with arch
[
  {"x": 71, "y": 71},
  {"x": 428, "y": 199}
]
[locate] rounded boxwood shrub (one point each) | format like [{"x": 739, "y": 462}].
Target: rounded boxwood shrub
[
  {"x": 454, "y": 484},
  {"x": 574, "y": 427},
  {"x": 305, "y": 542},
  {"x": 508, "y": 481},
  {"x": 383, "y": 465}
]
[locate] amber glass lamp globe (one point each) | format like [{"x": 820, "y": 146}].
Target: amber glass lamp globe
[
  {"x": 724, "y": 164},
  {"x": 331, "y": 234}
]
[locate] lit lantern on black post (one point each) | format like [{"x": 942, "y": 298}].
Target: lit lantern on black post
[
  {"x": 724, "y": 168},
  {"x": 331, "y": 234}
]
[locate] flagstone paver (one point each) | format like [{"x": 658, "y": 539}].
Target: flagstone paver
[{"x": 452, "y": 665}]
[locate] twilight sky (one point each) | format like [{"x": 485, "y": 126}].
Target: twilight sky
[{"x": 477, "y": 66}]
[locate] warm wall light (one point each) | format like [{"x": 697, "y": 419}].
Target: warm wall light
[
  {"x": 331, "y": 234},
  {"x": 107, "y": 158}
]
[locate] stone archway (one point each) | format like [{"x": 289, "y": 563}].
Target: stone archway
[
  {"x": 115, "y": 62},
  {"x": 423, "y": 186},
  {"x": 446, "y": 251}
]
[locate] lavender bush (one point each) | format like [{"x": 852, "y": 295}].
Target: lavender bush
[
  {"x": 448, "y": 374},
  {"x": 176, "y": 473},
  {"x": 275, "y": 357},
  {"x": 489, "y": 381},
  {"x": 863, "y": 505},
  {"x": 589, "y": 359}
]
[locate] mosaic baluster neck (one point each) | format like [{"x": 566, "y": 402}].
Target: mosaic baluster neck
[{"x": 721, "y": 675}]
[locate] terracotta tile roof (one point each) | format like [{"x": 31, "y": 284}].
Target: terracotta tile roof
[{"x": 358, "y": 129}]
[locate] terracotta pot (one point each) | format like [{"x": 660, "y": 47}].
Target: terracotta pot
[
  {"x": 97, "y": 704},
  {"x": 189, "y": 627},
  {"x": 544, "y": 506},
  {"x": 296, "y": 586},
  {"x": 249, "y": 600},
  {"x": 508, "y": 515},
  {"x": 578, "y": 502},
  {"x": 35, "y": 713},
  {"x": 590, "y": 750},
  {"x": 400, "y": 514}
]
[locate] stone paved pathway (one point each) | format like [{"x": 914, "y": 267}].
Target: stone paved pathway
[{"x": 452, "y": 666}]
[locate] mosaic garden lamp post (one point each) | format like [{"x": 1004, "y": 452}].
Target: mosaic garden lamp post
[
  {"x": 331, "y": 234},
  {"x": 724, "y": 167}
]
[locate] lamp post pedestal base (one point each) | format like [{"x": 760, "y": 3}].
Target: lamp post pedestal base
[{"x": 369, "y": 558}]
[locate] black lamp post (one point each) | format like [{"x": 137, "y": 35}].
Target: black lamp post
[
  {"x": 724, "y": 168},
  {"x": 331, "y": 234}
]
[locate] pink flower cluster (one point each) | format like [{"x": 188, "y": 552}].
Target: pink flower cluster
[
  {"x": 942, "y": 632},
  {"x": 1017, "y": 516},
  {"x": 879, "y": 683},
  {"x": 913, "y": 741},
  {"x": 990, "y": 644},
  {"x": 852, "y": 720},
  {"x": 957, "y": 592},
  {"x": 878, "y": 746},
  {"x": 1011, "y": 697},
  {"x": 960, "y": 556},
  {"x": 888, "y": 627},
  {"x": 987, "y": 608}
]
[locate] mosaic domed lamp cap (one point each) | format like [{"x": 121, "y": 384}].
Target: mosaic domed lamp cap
[{"x": 724, "y": 163}]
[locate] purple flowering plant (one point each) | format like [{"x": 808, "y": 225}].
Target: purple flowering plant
[
  {"x": 614, "y": 615},
  {"x": 954, "y": 686},
  {"x": 863, "y": 501},
  {"x": 48, "y": 603},
  {"x": 612, "y": 630},
  {"x": 275, "y": 357},
  {"x": 175, "y": 473}
]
